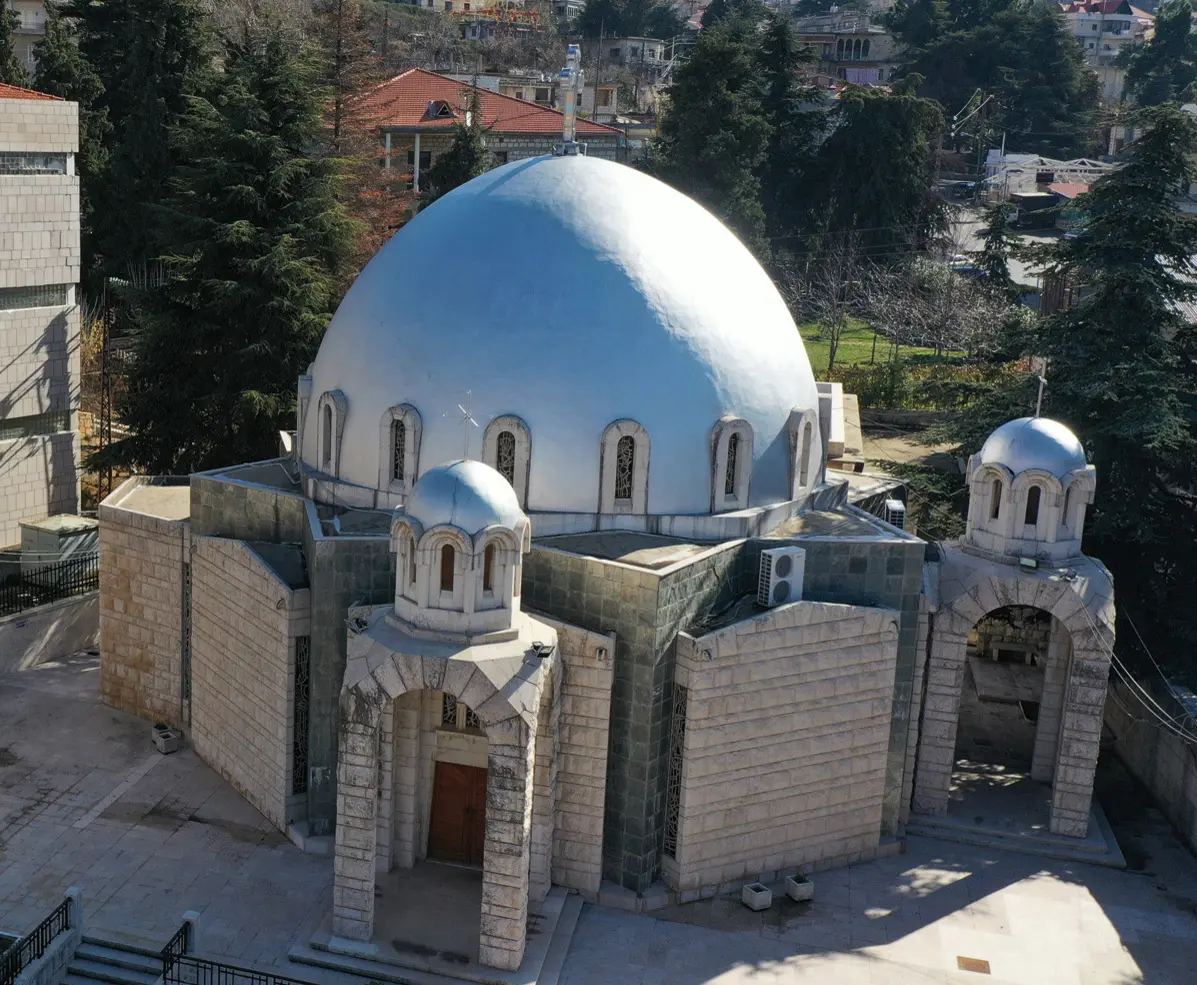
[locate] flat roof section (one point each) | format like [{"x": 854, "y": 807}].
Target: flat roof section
[
  {"x": 831, "y": 523},
  {"x": 642, "y": 550},
  {"x": 165, "y": 502}
]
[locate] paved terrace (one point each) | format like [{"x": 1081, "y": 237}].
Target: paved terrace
[{"x": 84, "y": 799}]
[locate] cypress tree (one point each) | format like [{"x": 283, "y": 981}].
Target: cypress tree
[
  {"x": 256, "y": 239},
  {"x": 12, "y": 71},
  {"x": 62, "y": 71},
  {"x": 997, "y": 243}
]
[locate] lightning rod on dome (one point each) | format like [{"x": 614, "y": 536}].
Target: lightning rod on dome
[
  {"x": 571, "y": 80},
  {"x": 465, "y": 417}
]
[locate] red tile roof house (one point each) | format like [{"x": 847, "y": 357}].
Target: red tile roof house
[{"x": 415, "y": 114}]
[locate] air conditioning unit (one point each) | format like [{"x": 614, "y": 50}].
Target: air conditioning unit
[
  {"x": 782, "y": 569},
  {"x": 895, "y": 513}
]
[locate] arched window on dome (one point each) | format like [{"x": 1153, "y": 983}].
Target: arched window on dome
[
  {"x": 507, "y": 448},
  {"x": 448, "y": 556},
  {"x": 1067, "y": 503},
  {"x": 624, "y": 461},
  {"x": 731, "y": 464},
  {"x": 995, "y": 500},
  {"x": 804, "y": 461},
  {"x": 399, "y": 433},
  {"x": 331, "y": 410},
  {"x": 488, "y": 568},
  {"x": 1031, "y": 517},
  {"x": 411, "y": 564}
]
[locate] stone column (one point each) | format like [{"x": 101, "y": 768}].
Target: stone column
[
  {"x": 941, "y": 715},
  {"x": 510, "y": 761},
  {"x": 1080, "y": 734},
  {"x": 384, "y": 859},
  {"x": 357, "y": 803},
  {"x": 543, "y": 798},
  {"x": 406, "y": 758},
  {"x": 1051, "y": 703}
]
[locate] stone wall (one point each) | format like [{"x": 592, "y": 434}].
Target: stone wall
[
  {"x": 243, "y": 683},
  {"x": 38, "y": 478},
  {"x": 582, "y": 715},
  {"x": 48, "y": 125},
  {"x": 785, "y": 744},
  {"x": 1162, "y": 761},
  {"x": 142, "y": 559},
  {"x": 242, "y": 511}
]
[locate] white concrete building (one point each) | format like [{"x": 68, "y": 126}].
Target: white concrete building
[
  {"x": 31, "y": 28},
  {"x": 1103, "y": 28},
  {"x": 39, "y": 317},
  {"x": 550, "y": 666}
]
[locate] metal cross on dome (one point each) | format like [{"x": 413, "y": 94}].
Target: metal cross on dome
[{"x": 466, "y": 418}]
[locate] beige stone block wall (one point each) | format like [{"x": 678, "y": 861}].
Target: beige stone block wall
[
  {"x": 785, "y": 742},
  {"x": 244, "y": 621},
  {"x": 39, "y": 229},
  {"x": 141, "y": 612},
  {"x": 583, "y": 716},
  {"x": 38, "y": 477},
  {"x": 49, "y": 125}
]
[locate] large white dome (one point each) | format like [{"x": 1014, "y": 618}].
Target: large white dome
[{"x": 571, "y": 292}]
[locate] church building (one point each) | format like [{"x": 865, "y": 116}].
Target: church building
[{"x": 552, "y": 580}]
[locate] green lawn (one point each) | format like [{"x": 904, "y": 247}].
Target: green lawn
[{"x": 856, "y": 346}]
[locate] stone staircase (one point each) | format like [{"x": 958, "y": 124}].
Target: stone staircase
[{"x": 100, "y": 962}]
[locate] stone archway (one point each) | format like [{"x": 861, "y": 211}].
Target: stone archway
[
  {"x": 1082, "y": 600},
  {"x": 375, "y": 679}
]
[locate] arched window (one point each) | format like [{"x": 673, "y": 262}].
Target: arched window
[
  {"x": 995, "y": 499},
  {"x": 326, "y": 443},
  {"x": 447, "y": 568},
  {"x": 804, "y": 461},
  {"x": 505, "y": 456},
  {"x": 1032, "y": 515},
  {"x": 488, "y": 568},
  {"x": 1067, "y": 503},
  {"x": 398, "y": 449},
  {"x": 625, "y": 467},
  {"x": 733, "y": 454},
  {"x": 411, "y": 560}
]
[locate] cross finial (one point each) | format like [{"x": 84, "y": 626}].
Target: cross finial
[{"x": 465, "y": 417}]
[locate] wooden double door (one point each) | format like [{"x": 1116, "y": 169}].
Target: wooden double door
[{"x": 457, "y": 831}]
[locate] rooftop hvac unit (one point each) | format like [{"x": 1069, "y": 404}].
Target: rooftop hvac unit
[
  {"x": 782, "y": 569},
  {"x": 895, "y": 513}
]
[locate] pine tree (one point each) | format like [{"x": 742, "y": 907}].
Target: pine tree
[
  {"x": 256, "y": 240},
  {"x": 720, "y": 11},
  {"x": 998, "y": 241},
  {"x": 62, "y": 71},
  {"x": 714, "y": 136},
  {"x": 918, "y": 23},
  {"x": 12, "y": 71},
  {"x": 146, "y": 54},
  {"x": 1164, "y": 68},
  {"x": 466, "y": 158},
  {"x": 349, "y": 66}
]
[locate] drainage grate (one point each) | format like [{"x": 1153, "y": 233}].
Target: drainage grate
[{"x": 979, "y": 965}]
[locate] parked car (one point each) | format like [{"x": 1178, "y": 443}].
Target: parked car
[{"x": 963, "y": 189}]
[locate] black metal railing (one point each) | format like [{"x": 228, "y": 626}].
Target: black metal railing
[
  {"x": 175, "y": 948},
  {"x": 187, "y": 969},
  {"x": 34, "y": 944},
  {"x": 49, "y": 583}
]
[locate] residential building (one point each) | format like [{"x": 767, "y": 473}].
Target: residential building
[
  {"x": 1103, "y": 28},
  {"x": 544, "y": 90},
  {"x": 415, "y": 114},
  {"x": 643, "y": 53},
  {"x": 566, "y": 11},
  {"x": 30, "y": 29},
  {"x": 488, "y": 21},
  {"x": 39, "y": 314},
  {"x": 627, "y": 636},
  {"x": 849, "y": 46}
]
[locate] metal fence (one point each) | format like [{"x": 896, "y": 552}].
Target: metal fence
[
  {"x": 49, "y": 583},
  {"x": 187, "y": 969},
  {"x": 34, "y": 944}
]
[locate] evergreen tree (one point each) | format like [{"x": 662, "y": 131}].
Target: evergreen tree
[
  {"x": 62, "y": 71},
  {"x": 1165, "y": 68},
  {"x": 466, "y": 158},
  {"x": 146, "y": 54},
  {"x": 873, "y": 173},
  {"x": 256, "y": 239},
  {"x": 918, "y": 23},
  {"x": 720, "y": 11},
  {"x": 715, "y": 134},
  {"x": 629, "y": 19},
  {"x": 998, "y": 242},
  {"x": 349, "y": 66},
  {"x": 12, "y": 71}
]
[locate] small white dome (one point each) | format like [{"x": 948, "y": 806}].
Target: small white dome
[
  {"x": 469, "y": 495},
  {"x": 570, "y": 292},
  {"x": 1034, "y": 443}
]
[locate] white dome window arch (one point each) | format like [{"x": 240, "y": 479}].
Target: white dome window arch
[
  {"x": 805, "y": 451},
  {"x": 498, "y": 559},
  {"x": 507, "y": 448},
  {"x": 444, "y": 557},
  {"x": 731, "y": 464},
  {"x": 406, "y": 533},
  {"x": 1036, "y": 496},
  {"x": 623, "y": 482},
  {"x": 399, "y": 434},
  {"x": 331, "y": 411},
  {"x": 991, "y": 501}
]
